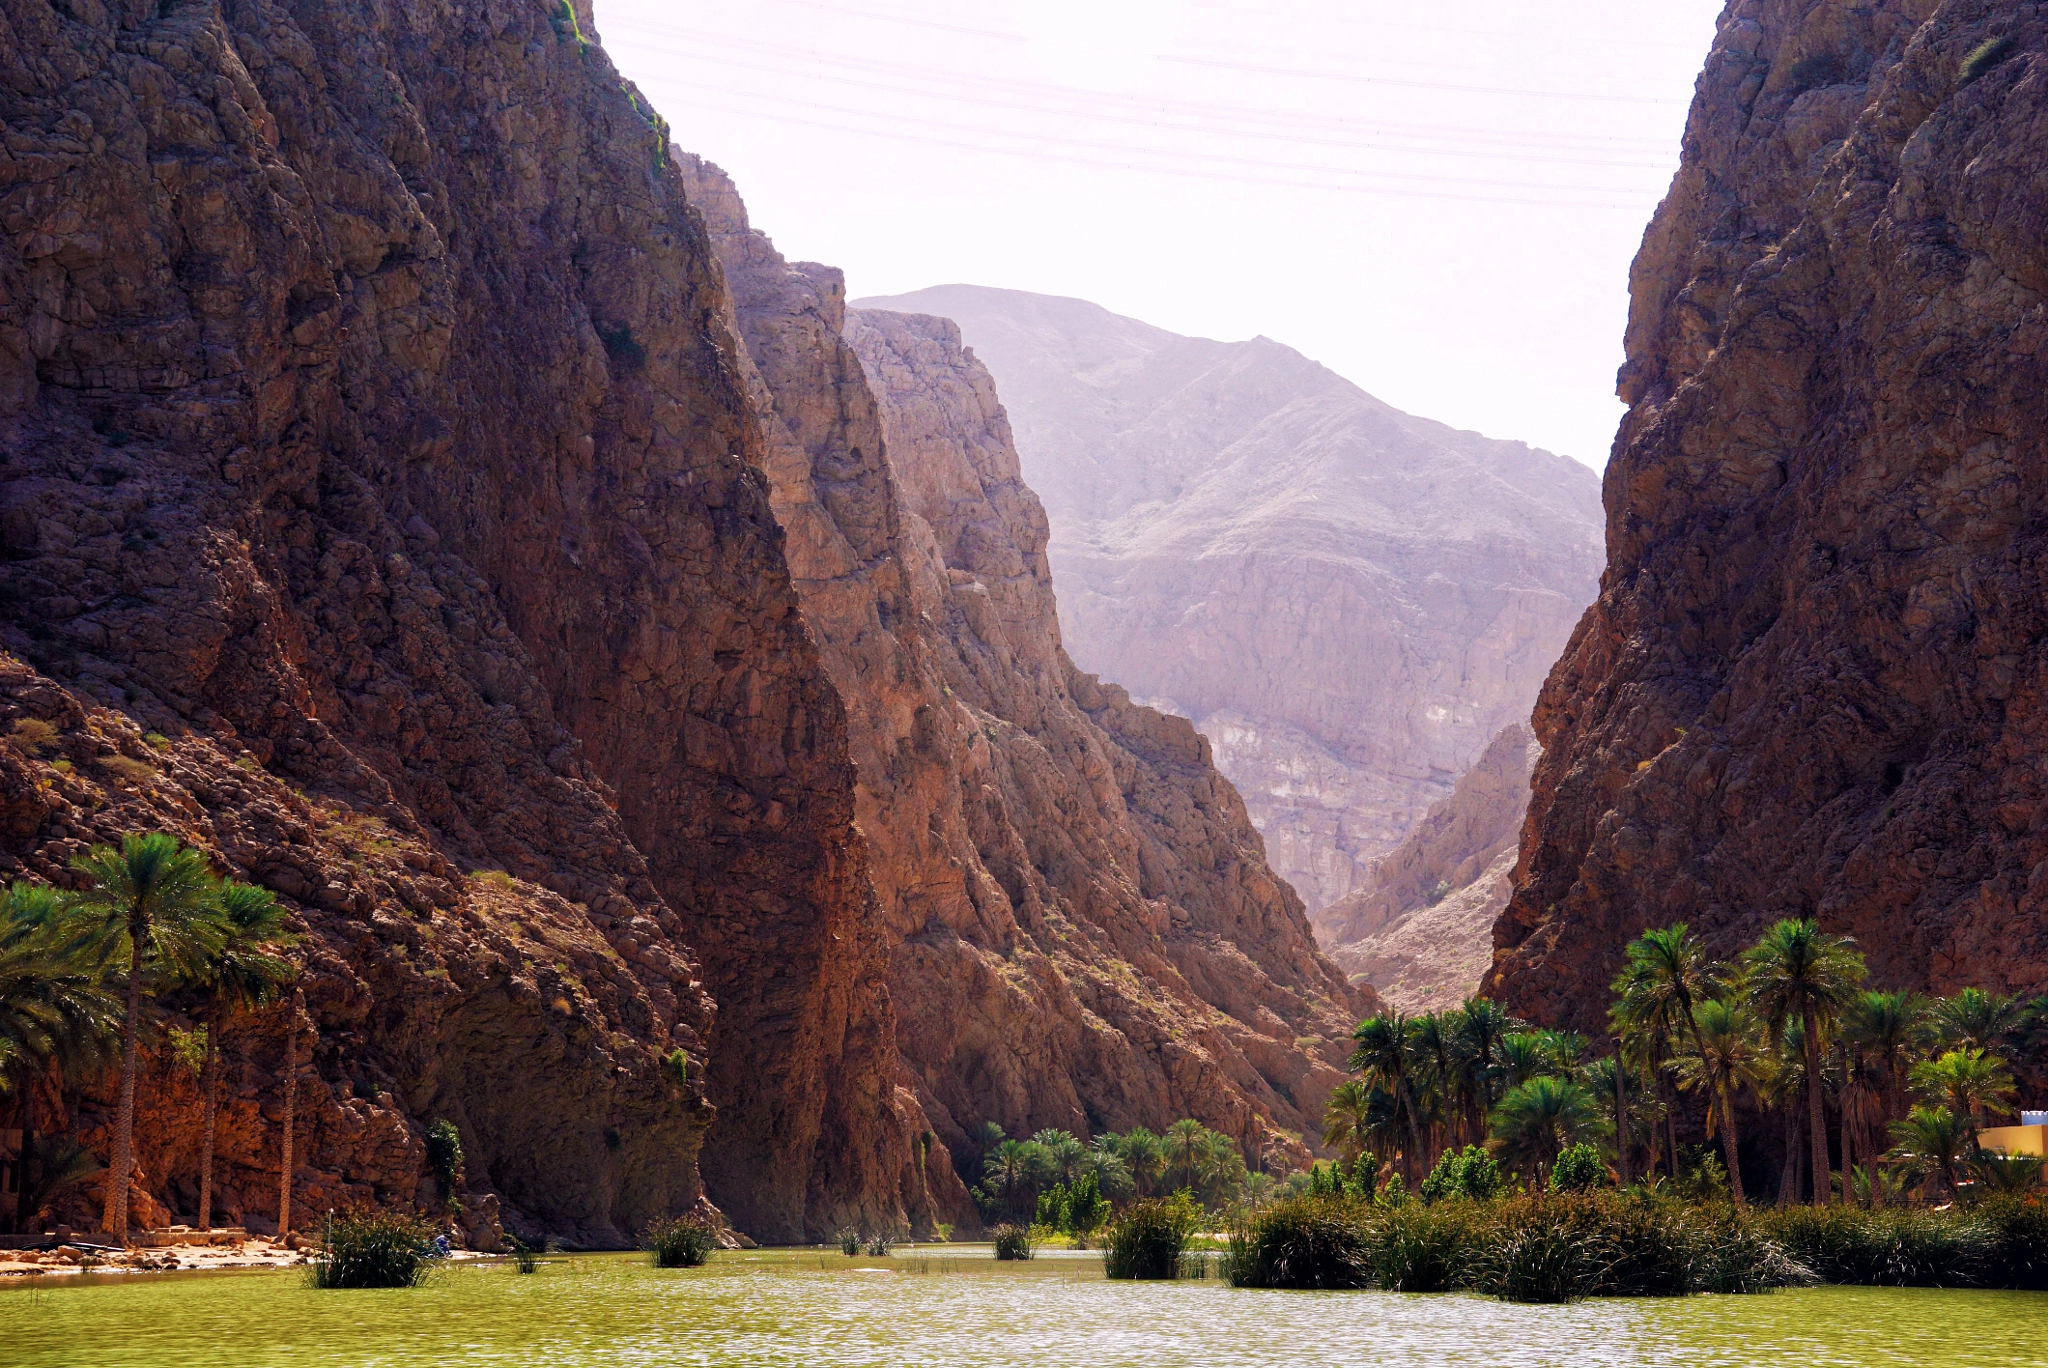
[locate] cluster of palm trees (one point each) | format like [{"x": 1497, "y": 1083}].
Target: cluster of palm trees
[
  {"x": 1787, "y": 1027},
  {"x": 1138, "y": 1163},
  {"x": 82, "y": 971}
]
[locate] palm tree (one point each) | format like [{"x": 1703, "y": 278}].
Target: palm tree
[
  {"x": 1068, "y": 1154},
  {"x": 1797, "y": 972},
  {"x": 1523, "y": 1055},
  {"x": 1221, "y": 1164},
  {"x": 1975, "y": 1017},
  {"x": 1382, "y": 1060},
  {"x": 1258, "y": 1189},
  {"x": 1969, "y": 1081},
  {"x": 54, "y": 1007},
  {"x": 1729, "y": 1057},
  {"x": 1538, "y": 1120},
  {"x": 1184, "y": 1151},
  {"x": 1106, "y": 1166},
  {"x": 1566, "y": 1050},
  {"x": 1144, "y": 1155},
  {"x": 1664, "y": 973},
  {"x": 1346, "y": 1117},
  {"x": 244, "y": 977},
  {"x": 1482, "y": 1024},
  {"x": 1432, "y": 1049},
  {"x": 155, "y": 901},
  {"x": 1935, "y": 1137}
]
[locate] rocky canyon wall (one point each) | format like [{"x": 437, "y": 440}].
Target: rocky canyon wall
[
  {"x": 1814, "y": 681},
  {"x": 383, "y": 509},
  {"x": 1420, "y": 928},
  {"x": 1080, "y": 925},
  {"x": 1348, "y": 600}
]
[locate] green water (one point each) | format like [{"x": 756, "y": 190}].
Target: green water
[{"x": 961, "y": 1311}]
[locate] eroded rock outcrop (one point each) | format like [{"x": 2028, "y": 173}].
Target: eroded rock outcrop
[
  {"x": 1814, "y": 681},
  {"x": 373, "y": 440},
  {"x": 1420, "y": 930},
  {"x": 1081, "y": 927},
  {"x": 1349, "y": 601}
]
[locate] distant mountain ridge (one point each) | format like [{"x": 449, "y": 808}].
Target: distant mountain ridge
[{"x": 1350, "y": 601}]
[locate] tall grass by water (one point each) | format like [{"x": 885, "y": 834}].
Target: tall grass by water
[
  {"x": 1147, "y": 1239},
  {"x": 682, "y": 1242},
  {"x": 1564, "y": 1247},
  {"x": 374, "y": 1249}
]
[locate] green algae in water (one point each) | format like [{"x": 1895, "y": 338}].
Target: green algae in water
[{"x": 960, "y": 1309}]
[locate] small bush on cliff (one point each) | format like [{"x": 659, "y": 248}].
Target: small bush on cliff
[
  {"x": 1013, "y": 1242},
  {"x": 374, "y": 1249},
  {"x": 1147, "y": 1240},
  {"x": 1985, "y": 56},
  {"x": 444, "y": 1157},
  {"x": 681, "y": 1242}
]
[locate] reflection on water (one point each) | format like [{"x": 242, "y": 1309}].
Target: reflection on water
[{"x": 936, "y": 1308}]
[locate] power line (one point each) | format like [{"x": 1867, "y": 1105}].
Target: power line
[
  {"x": 1181, "y": 172},
  {"x": 1356, "y": 79}
]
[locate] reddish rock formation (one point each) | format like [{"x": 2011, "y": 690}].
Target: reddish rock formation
[
  {"x": 1081, "y": 927},
  {"x": 1814, "y": 682},
  {"x": 1420, "y": 931},
  {"x": 371, "y": 434}
]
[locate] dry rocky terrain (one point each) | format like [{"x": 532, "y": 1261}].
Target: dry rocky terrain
[
  {"x": 1347, "y": 600},
  {"x": 1815, "y": 681}
]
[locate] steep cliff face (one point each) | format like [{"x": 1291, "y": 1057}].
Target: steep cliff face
[
  {"x": 1080, "y": 927},
  {"x": 1420, "y": 929},
  {"x": 373, "y": 438},
  {"x": 1349, "y": 601},
  {"x": 1814, "y": 680}
]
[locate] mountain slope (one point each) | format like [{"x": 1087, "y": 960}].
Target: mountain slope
[
  {"x": 1080, "y": 927},
  {"x": 1349, "y": 601},
  {"x": 1814, "y": 680}
]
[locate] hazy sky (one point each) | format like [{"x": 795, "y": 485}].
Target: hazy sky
[{"x": 1439, "y": 201}]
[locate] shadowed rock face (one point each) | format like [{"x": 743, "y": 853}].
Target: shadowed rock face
[
  {"x": 1814, "y": 681},
  {"x": 1079, "y": 924},
  {"x": 1347, "y": 600},
  {"x": 1420, "y": 929},
  {"x": 373, "y": 435}
]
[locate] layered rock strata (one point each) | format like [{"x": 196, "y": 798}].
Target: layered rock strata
[
  {"x": 1081, "y": 927},
  {"x": 382, "y": 511},
  {"x": 1420, "y": 930},
  {"x": 1348, "y": 600},
  {"x": 1814, "y": 681}
]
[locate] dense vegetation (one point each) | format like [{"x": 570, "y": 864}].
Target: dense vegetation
[
  {"x": 1875, "y": 1097},
  {"x": 374, "y": 1249}
]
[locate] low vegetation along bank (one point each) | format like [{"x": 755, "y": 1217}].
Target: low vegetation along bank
[{"x": 1563, "y": 1247}]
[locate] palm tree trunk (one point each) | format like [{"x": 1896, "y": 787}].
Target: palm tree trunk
[
  {"x": 206, "y": 1129},
  {"x": 1670, "y": 1128},
  {"x": 1848, "y": 1153},
  {"x": 1816, "y": 1117},
  {"x": 1788, "y": 1179},
  {"x": 22, "y": 1214},
  {"x": 284, "y": 1174},
  {"x": 1620, "y": 1117},
  {"x": 1729, "y": 1147},
  {"x": 115, "y": 1214}
]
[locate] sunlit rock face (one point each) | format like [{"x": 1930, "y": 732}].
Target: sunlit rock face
[
  {"x": 1814, "y": 682},
  {"x": 1347, "y": 600}
]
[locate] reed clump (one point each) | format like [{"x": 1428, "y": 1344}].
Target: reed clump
[
  {"x": 1307, "y": 1242},
  {"x": 374, "y": 1249},
  {"x": 1013, "y": 1242},
  {"x": 1147, "y": 1239},
  {"x": 681, "y": 1242}
]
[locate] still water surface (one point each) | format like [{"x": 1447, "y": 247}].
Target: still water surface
[{"x": 956, "y": 1310}]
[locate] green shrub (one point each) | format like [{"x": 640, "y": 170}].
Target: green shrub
[
  {"x": 1470, "y": 1172},
  {"x": 1895, "y": 1247},
  {"x": 1983, "y": 57},
  {"x": 2016, "y": 1228},
  {"x": 444, "y": 1157},
  {"x": 1012, "y": 1241},
  {"x": 1312, "y": 1242},
  {"x": 849, "y": 1242},
  {"x": 1147, "y": 1239},
  {"x": 680, "y": 1242},
  {"x": 1578, "y": 1169},
  {"x": 525, "y": 1257},
  {"x": 1426, "y": 1248},
  {"x": 374, "y": 1249}
]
